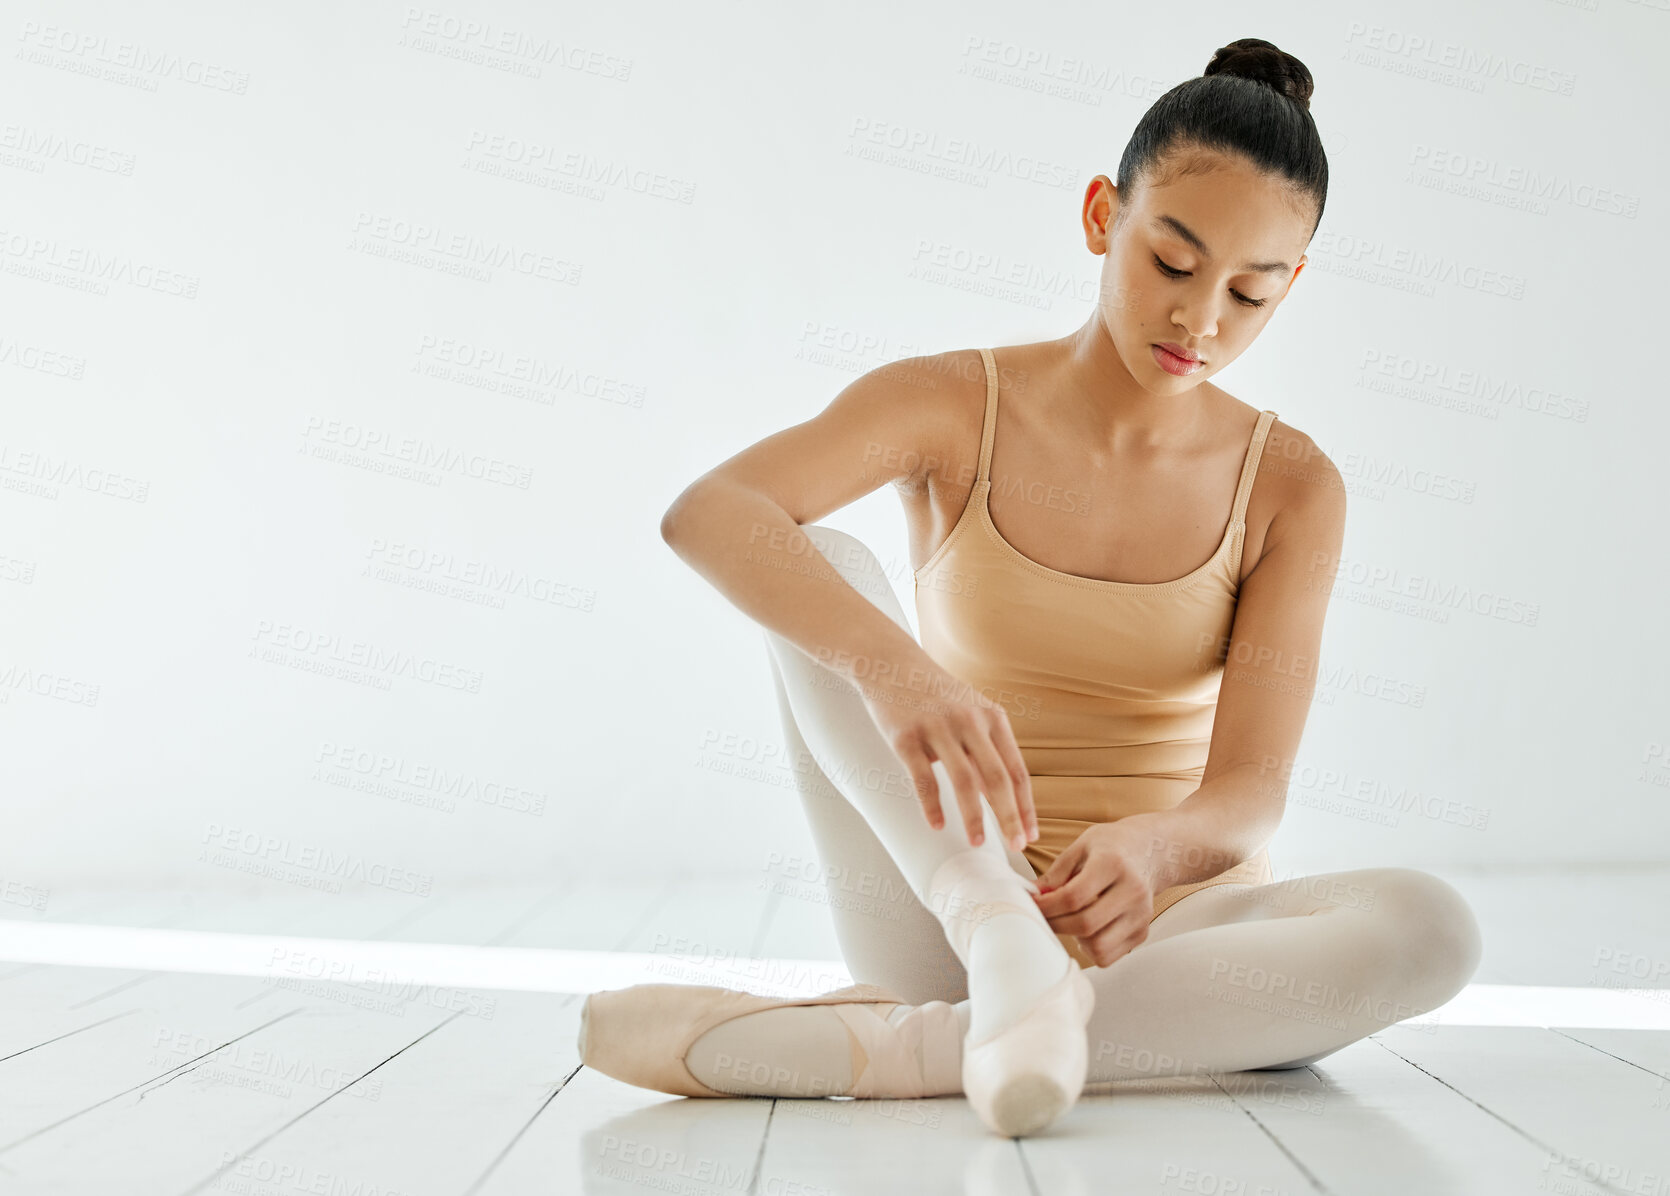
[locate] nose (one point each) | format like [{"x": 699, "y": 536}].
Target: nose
[{"x": 1197, "y": 316}]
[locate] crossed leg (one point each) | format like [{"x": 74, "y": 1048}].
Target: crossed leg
[
  {"x": 1232, "y": 977},
  {"x": 1248, "y": 977}
]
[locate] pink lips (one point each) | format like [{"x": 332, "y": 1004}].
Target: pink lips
[{"x": 1172, "y": 360}]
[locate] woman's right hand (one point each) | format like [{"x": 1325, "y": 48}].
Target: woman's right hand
[{"x": 937, "y": 716}]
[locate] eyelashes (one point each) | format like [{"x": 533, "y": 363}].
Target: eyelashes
[{"x": 1169, "y": 272}]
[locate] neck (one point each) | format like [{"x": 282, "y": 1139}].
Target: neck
[{"x": 1096, "y": 393}]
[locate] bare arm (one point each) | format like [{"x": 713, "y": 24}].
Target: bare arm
[
  {"x": 1268, "y": 684},
  {"x": 739, "y": 526}
]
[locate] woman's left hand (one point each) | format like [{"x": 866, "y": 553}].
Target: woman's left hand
[{"x": 1101, "y": 889}]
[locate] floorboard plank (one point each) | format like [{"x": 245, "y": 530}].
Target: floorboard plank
[
  {"x": 162, "y": 1027},
  {"x": 1364, "y": 1121},
  {"x": 453, "y": 1102},
  {"x": 47, "y": 1001},
  {"x": 1595, "y": 1118},
  {"x": 199, "y": 1104},
  {"x": 604, "y": 1138},
  {"x": 85, "y": 1086},
  {"x": 1166, "y": 1136},
  {"x": 863, "y": 1147},
  {"x": 1647, "y": 1049}
]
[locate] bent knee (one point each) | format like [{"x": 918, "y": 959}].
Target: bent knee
[{"x": 1433, "y": 928}]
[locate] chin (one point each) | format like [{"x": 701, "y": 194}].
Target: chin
[{"x": 1174, "y": 385}]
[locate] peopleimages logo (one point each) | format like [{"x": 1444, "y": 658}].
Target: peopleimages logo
[
  {"x": 1443, "y": 595},
  {"x": 229, "y": 846},
  {"x": 884, "y": 140}
]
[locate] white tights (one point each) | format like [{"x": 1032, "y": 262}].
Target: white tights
[{"x": 1231, "y": 978}]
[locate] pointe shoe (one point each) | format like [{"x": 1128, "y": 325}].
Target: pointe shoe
[
  {"x": 1028, "y": 1074},
  {"x": 642, "y": 1034}
]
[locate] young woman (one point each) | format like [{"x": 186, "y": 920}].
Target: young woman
[{"x": 1045, "y": 824}]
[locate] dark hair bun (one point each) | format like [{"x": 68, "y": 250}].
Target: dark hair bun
[{"x": 1258, "y": 60}]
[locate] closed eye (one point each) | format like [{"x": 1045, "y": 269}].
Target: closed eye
[{"x": 1169, "y": 272}]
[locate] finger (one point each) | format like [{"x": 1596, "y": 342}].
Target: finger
[
  {"x": 1059, "y": 870},
  {"x": 966, "y": 783},
  {"x": 922, "y": 778},
  {"x": 1118, "y": 907},
  {"x": 1118, "y": 939},
  {"x": 1078, "y": 891},
  {"x": 1089, "y": 921},
  {"x": 1106, "y": 957},
  {"x": 999, "y": 786},
  {"x": 1010, "y": 751},
  {"x": 1135, "y": 908}
]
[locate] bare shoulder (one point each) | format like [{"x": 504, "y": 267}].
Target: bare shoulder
[
  {"x": 900, "y": 423},
  {"x": 941, "y": 398},
  {"x": 1298, "y": 491}
]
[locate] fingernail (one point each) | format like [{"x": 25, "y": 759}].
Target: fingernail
[
  {"x": 1017, "y": 841},
  {"x": 978, "y": 839}
]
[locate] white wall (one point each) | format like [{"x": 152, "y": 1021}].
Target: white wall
[{"x": 211, "y": 287}]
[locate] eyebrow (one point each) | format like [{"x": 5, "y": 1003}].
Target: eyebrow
[{"x": 1188, "y": 234}]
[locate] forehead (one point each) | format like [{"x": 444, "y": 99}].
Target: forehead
[{"x": 1231, "y": 208}]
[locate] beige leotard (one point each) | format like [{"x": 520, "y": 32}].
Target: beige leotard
[{"x": 1111, "y": 686}]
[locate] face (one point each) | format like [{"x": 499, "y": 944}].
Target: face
[{"x": 1199, "y": 261}]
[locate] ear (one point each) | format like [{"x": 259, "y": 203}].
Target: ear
[{"x": 1101, "y": 205}]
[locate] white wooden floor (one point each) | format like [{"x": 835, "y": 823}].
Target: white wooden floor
[{"x": 121, "y": 1082}]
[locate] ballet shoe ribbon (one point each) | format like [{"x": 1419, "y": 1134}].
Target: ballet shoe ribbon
[{"x": 914, "y": 1051}]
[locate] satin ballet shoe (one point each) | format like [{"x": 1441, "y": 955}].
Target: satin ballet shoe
[
  {"x": 1024, "y": 1076},
  {"x": 1028, "y": 1074},
  {"x": 641, "y": 1035}
]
